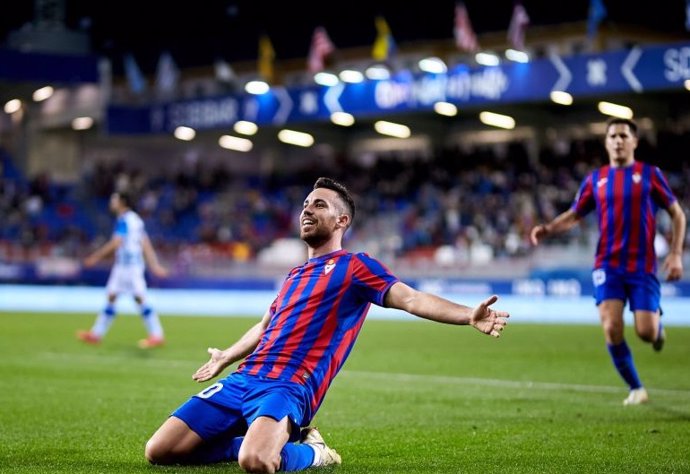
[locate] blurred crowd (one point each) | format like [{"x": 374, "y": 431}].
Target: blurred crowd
[{"x": 455, "y": 207}]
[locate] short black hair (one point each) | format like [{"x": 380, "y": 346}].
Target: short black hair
[
  {"x": 126, "y": 198},
  {"x": 622, "y": 121},
  {"x": 342, "y": 191}
]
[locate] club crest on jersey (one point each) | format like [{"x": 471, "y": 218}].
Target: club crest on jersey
[
  {"x": 637, "y": 178},
  {"x": 602, "y": 182},
  {"x": 329, "y": 266}
]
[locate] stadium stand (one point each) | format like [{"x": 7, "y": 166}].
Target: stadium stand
[{"x": 454, "y": 199}]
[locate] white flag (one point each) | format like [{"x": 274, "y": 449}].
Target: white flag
[{"x": 223, "y": 71}]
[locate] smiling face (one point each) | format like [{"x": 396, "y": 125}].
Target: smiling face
[
  {"x": 621, "y": 143},
  {"x": 322, "y": 218}
]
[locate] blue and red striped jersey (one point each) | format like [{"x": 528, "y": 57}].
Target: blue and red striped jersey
[
  {"x": 626, "y": 200},
  {"x": 316, "y": 318}
]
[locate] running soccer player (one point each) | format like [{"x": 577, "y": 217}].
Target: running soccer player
[
  {"x": 626, "y": 194},
  {"x": 133, "y": 250},
  {"x": 259, "y": 414}
]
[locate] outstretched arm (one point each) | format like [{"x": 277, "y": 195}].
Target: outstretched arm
[
  {"x": 673, "y": 263},
  {"x": 239, "y": 350},
  {"x": 107, "y": 249},
  {"x": 152, "y": 259},
  {"x": 561, "y": 223},
  {"x": 432, "y": 307}
]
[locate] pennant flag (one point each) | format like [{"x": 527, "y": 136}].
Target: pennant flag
[
  {"x": 321, "y": 48},
  {"x": 597, "y": 12},
  {"x": 465, "y": 39},
  {"x": 266, "y": 57},
  {"x": 167, "y": 74},
  {"x": 135, "y": 78},
  {"x": 384, "y": 45},
  {"x": 518, "y": 26},
  {"x": 223, "y": 71}
]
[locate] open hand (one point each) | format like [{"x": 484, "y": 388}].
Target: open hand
[
  {"x": 487, "y": 320},
  {"x": 211, "y": 368}
]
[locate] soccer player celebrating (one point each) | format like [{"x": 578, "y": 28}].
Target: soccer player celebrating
[
  {"x": 259, "y": 414},
  {"x": 626, "y": 195},
  {"x": 133, "y": 250}
]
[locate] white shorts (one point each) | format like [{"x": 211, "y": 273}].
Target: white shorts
[{"x": 126, "y": 279}]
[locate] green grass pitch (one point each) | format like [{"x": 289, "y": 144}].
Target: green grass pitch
[{"x": 414, "y": 397}]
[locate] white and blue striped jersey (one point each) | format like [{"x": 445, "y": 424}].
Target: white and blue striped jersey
[
  {"x": 130, "y": 228},
  {"x": 127, "y": 274}
]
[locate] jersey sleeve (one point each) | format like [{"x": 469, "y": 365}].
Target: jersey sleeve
[
  {"x": 661, "y": 191},
  {"x": 120, "y": 227},
  {"x": 584, "y": 199},
  {"x": 371, "y": 279}
]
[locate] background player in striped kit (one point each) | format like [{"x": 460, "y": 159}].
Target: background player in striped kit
[
  {"x": 626, "y": 194},
  {"x": 256, "y": 414},
  {"x": 133, "y": 250}
]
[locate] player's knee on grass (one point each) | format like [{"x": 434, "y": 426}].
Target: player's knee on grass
[
  {"x": 159, "y": 452},
  {"x": 154, "y": 452},
  {"x": 258, "y": 460}
]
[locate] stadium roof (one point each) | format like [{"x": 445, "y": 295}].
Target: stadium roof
[{"x": 196, "y": 35}]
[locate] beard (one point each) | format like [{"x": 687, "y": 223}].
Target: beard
[{"x": 315, "y": 237}]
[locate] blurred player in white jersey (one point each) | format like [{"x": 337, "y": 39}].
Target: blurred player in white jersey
[{"x": 133, "y": 251}]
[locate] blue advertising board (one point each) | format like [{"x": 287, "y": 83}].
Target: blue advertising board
[
  {"x": 637, "y": 70},
  {"x": 552, "y": 283}
]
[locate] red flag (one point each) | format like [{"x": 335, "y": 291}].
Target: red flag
[
  {"x": 321, "y": 48},
  {"x": 465, "y": 39},
  {"x": 518, "y": 26}
]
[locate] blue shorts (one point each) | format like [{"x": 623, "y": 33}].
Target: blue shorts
[
  {"x": 641, "y": 290},
  {"x": 233, "y": 403}
]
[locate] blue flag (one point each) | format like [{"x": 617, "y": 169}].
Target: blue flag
[
  {"x": 167, "y": 74},
  {"x": 135, "y": 78},
  {"x": 597, "y": 12}
]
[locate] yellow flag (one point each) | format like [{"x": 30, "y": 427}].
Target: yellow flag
[
  {"x": 384, "y": 44},
  {"x": 266, "y": 56}
]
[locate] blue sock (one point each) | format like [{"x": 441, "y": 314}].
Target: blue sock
[
  {"x": 151, "y": 321},
  {"x": 218, "y": 450},
  {"x": 296, "y": 457},
  {"x": 104, "y": 320},
  {"x": 622, "y": 359}
]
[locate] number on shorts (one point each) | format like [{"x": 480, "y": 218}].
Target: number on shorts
[
  {"x": 208, "y": 392},
  {"x": 598, "y": 277}
]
